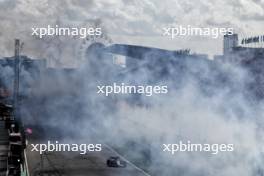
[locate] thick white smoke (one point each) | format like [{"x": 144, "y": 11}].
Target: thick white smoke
[{"x": 199, "y": 107}]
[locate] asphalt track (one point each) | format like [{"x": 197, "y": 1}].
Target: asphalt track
[{"x": 74, "y": 164}]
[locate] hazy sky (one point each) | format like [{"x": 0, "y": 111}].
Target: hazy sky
[{"x": 134, "y": 21}]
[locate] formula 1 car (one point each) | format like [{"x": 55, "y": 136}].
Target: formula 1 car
[{"x": 115, "y": 162}]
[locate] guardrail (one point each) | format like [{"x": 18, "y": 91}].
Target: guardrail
[{"x": 24, "y": 167}]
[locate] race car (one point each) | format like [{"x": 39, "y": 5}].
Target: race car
[{"x": 115, "y": 161}]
